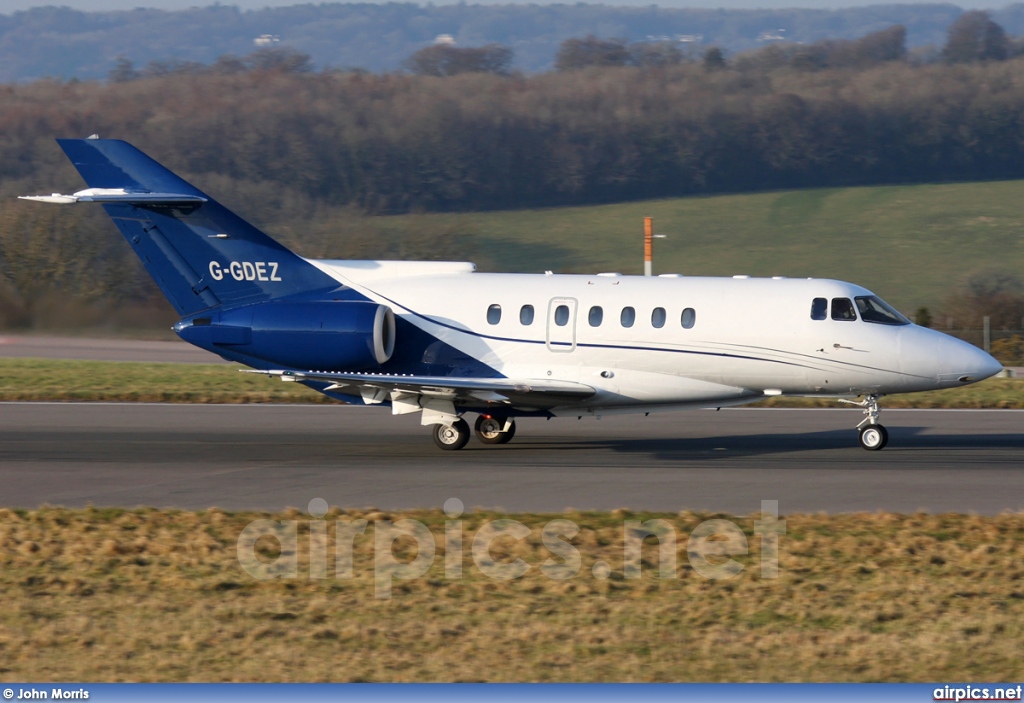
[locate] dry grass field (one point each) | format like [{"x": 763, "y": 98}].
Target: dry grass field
[{"x": 146, "y": 595}]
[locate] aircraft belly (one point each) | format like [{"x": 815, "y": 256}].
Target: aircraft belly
[
  {"x": 630, "y": 387},
  {"x": 764, "y": 374}
]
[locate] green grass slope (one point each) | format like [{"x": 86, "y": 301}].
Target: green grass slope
[{"x": 909, "y": 244}]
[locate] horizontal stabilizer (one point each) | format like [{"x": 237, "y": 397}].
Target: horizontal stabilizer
[{"x": 116, "y": 195}]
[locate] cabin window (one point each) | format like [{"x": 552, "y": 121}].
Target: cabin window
[
  {"x": 494, "y": 314},
  {"x": 596, "y": 316},
  {"x": 526, "y": 315},
  {"x": 842, "y": 309},
  {"x": 658, "y": 317},
  {"x": 874, "y": 309},
  {"x": 688, "y": 318},
  {"x": 628, "y": 317},
  {"x": 562, "y": 315},
  {"x": 819, "y": 308}
]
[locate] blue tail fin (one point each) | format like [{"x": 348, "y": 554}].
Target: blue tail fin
[{"x": 200, "y": 253}]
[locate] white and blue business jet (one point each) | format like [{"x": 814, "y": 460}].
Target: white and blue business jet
[{"x": 438, "y": 339}]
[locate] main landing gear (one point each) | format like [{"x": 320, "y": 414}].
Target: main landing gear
[
  {"x": 488, "y": 429},
  {"x": 452, "y": 437},
  {"x": 494, "y": 430},
  {"x": 873, "y": 436}
]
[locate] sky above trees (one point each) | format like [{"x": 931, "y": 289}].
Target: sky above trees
[{"x": 10, "y": 6}]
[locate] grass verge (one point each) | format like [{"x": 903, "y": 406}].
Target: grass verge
[
  {"x": 148, "y": 595},
  {"x": 62, "y": 380}
]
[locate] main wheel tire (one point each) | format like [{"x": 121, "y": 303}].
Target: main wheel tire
[
  {"x": 508, "y": 434},
  {"x": 874, "y": 437},
  {"x": 451, "y": 438},
  {"x": 489, "y": 430}
]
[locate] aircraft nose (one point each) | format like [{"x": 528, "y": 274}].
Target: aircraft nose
[
  {"x": 963, "y": 363},
  {"x": 988, "y": 365},
  {"x": 932, "y": 359}
]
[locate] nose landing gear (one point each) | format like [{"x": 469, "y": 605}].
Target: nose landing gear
[{"x": 873, "y": 436}]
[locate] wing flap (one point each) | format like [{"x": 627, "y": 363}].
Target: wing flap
[{"x": 445, "y": 387}]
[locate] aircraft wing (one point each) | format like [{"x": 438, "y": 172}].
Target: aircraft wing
[{"x": 415, "y": 392}]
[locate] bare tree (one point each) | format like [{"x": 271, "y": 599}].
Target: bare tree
[
  {"x": 651, "y": 54},
  {"x": 280, "y": 59},
  {"x": 975, "y": 37},
  {"x": 995, "y": 293},
  {"x": 878, "y": 47},
  {"x": 123, "y": 71},
  {"x": 447, "y": 60},
  {"x": 590, "y": 51},
  {"x": 714, "y": 59}
]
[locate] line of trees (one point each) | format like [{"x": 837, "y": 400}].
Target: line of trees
[
  {"x": 973, "y": 37},
  {"x": 482, "y": 139},
  {"x": 65, "y": 43},
  {"x": 396, "y": 143},
  {"x": 619, "y": 121},
  {"x": 276, "y": 60}
]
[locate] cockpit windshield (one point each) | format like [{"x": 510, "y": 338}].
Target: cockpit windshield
[{"x": 874, "y": 309}]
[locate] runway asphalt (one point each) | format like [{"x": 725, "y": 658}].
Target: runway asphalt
[{"x": 268, "y": 457}]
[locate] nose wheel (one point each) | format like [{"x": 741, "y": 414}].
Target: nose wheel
[{"x": 873, "y": 436}]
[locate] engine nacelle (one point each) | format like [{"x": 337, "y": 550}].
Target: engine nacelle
[{"x": 306, "y": 335}]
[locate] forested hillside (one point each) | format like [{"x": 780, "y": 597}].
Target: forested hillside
[
  {"x": 64, "y": 43},
  {"x": 393, "y": 143},
  {"x": 313, "y": 154}
]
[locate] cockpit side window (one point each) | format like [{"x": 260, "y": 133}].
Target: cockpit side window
[
  {"x": 819, "y": 309},
  {"x": 874, "y": 309},
  {"x": 842, "y": 309}
]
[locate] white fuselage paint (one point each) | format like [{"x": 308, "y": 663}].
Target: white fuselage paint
[{"x": 751, "y": 337}]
